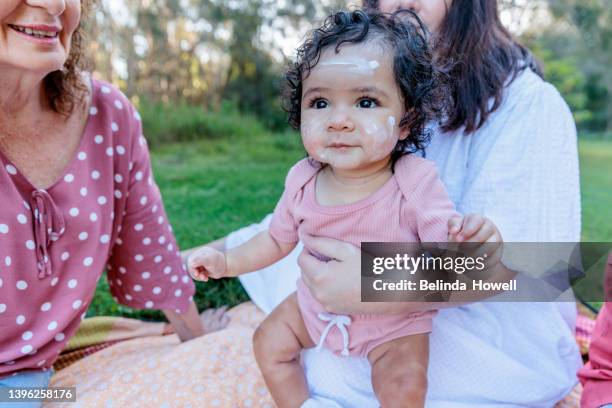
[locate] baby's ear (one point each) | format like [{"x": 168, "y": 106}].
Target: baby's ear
[
  {"x": 404, "y": 124},
  {"x": 404, "y": 132}
]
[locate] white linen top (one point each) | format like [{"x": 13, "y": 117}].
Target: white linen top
[{"x": 521, "y": 170}]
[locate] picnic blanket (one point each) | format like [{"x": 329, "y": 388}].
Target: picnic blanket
[
  {"x": 131, "y": 364},
  {"x": 98, "y": 333},
  {"x": 216, "y": 370}
]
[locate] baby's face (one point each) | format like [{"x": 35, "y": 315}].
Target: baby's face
[{"x": 351, "y": 107}]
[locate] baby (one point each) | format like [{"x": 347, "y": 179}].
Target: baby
[{"x": 361, "y": 93}]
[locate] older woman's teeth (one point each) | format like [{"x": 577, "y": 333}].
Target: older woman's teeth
[{"x": 35, "y": 33}]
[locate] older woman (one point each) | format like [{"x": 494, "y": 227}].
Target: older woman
[{"x": 77, "y": 195}]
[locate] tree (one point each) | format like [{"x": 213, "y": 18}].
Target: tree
[
  {"x": 593, "y": 22},
  {"x": 201, "y": 51},
  {"x": 254, "y": 75}
]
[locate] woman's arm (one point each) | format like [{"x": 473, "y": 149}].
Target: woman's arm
[
  {"x": 187, "y": 325},
  {"x": 191, "y": 324},
  {"x": 337, "y": 284},
  {"x": 144, "y": 269}
]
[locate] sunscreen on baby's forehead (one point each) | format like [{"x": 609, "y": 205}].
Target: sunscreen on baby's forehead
[{"x": 355, "y": 64}]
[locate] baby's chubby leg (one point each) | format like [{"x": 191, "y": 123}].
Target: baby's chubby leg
[
  {"x": 399, "y": 371},
  {"x": 277, "y": 343}
]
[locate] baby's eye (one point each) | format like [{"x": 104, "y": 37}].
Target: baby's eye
[
  {"x": 319, "y": 104},
  {"x": 367, "y": 103}
]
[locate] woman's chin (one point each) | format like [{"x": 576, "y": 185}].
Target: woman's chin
[{"x": 38, "y": 64}]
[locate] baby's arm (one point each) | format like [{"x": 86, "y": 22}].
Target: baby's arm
[
  {"x": 260, "y": 251},
  {"x": 265, "y": 248}
]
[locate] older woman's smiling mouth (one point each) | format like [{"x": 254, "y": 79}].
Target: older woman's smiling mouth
[{"x": 40, "y": 32}]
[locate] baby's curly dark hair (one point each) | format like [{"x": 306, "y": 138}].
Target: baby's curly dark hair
[{"x": 416, "y": 73}]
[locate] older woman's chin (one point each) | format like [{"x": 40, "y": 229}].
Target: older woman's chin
[
  {"x": 30, "y": 58},
  {"x": 41, "y": 64}
]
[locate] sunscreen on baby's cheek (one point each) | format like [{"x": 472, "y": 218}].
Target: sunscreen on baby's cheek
[
  {"x": 391, "y": 124},
  {"x": 371, "y": 128},
  {"x": 313, "y": 134}
]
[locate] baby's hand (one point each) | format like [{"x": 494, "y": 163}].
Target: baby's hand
[
  {"x": 207, "y": 263},
  {"x": 476, "y": 236},
  {"x": 473, "y": 228}
]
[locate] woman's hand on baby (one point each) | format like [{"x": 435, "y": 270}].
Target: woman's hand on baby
[
  {"x": 207, "y": 263},
  {"x": 335, "y": 284}
]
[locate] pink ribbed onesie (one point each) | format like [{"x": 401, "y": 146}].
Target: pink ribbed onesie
[{"x": 387, "y": 215}]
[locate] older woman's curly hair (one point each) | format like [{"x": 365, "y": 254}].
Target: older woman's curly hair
[
  {"x": 65, "y": 88},
  {"x": 416, "y": 73}
]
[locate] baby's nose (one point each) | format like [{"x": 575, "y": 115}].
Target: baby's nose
[{"x": 340, "y": 121}]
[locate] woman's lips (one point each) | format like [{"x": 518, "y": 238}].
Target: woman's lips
[{"x": 40, "y": 34}]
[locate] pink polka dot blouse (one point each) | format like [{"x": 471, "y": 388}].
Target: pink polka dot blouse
[{"x": 105, "y": 210}]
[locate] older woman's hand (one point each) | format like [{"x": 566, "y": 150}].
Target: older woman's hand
[
  {"x": 214, "y": 319},
  {"x": 191, "y": 324}
]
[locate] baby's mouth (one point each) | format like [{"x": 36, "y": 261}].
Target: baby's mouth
[
  {"x": 340, "y": 145},
  {"x": 34, "y": 33}
]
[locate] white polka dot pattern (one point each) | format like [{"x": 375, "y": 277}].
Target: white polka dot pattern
[{"x": 109, "y": 203}]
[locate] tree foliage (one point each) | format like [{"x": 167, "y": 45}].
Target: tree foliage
[
  {"x": 589, "y": 40},
  {"x": 200, "y": 52},
  {"x": 210, "y": 52}
]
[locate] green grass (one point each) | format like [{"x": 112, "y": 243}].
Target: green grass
[
  {"x": 213, "y": 187},
  {"x": 596, "y": 185},
  {"x": 187, "y": 123}
]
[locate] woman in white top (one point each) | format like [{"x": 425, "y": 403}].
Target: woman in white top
[{"x": 506, "y": 150}]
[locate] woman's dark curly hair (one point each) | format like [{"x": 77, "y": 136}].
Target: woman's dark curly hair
[
  {"x": 416, "y": 73},
  {"x": 65, "y": 88}
]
